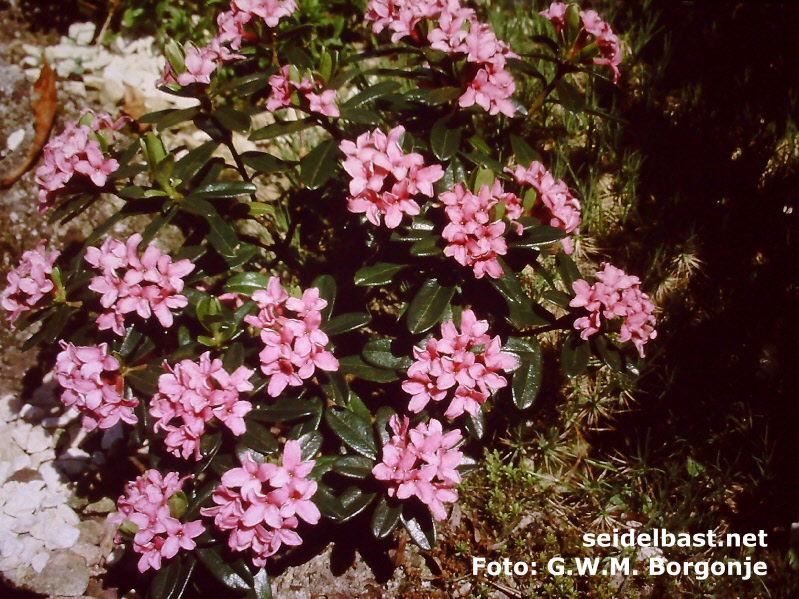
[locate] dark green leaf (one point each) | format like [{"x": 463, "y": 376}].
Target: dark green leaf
[
  {"x": 519, "y": 305},
  {"x": 318, "y": 166},
  {"x": 379, "y": 353},
  {"x": 223, "y": 190},
  {"x": 381, "y": 273},
  {"x": 574, "y": 355},
  {"x": 265, "y": 163},
  {"x": 234, "y": 357},
  {"x": 559, "y": 298},
  {"x": 421, "y": 528},
  {"x": 165, "y": 581},
  {"x": 232, "y": 119},
  {"x": 372, "y": 92},
  {"x": 525, "y": 155},
  {"x": 385, "y": 518},
  {"x": 482, "y": 159},
  {"x": 328, "y": 504},
  {"x": 279, "y": 128},
  {"x": 354, "y": 430},
  {"x": 444, "y": 139},
  {"x": 525, "y": 67},
  {"x": 428, "y": 306},
  {"x": 222, "y": 236},
  {"x": 146, "y": 380},
  {"x": 193, "y": 162},
  {"x": 337, "y": 388},
  {"x": 568, "y": 270},
  {"x": 299, "y": 57},
  {"x": 426, "y": 247},
  {"x": 453, "y": 174},
  {"x": 354, "y": 501},
  {"x": 527, "y": 377},
  {"x": 382, "y": 418},
  {"x": 259, "y": 438},
  {"x": 310, "y": 444},
  {"x": 326, "y": 285},
  {"x": 476, "y": 425},
  {"x": 166, "y": 119},
  {"x": 569, "y": 97},
  {"x": 353, "y": 466},
  {"x": 284, "y": 410},
  {"x": 343, "y": 323},
  {"x": 355, "y": 366},
  {"x": 361, "y": 116},
  {"x": 433, "y": 96},
  {"x": 261, "y": 588},
  {"x": 608, "y": 353},
  {"x": 212, "y": 560},
  {"x": 538, "y": 237},
  {"x": 247, "y": 283}
]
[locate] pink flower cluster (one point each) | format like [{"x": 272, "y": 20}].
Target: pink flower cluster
[
  {"x": 260, "y": 503},
  {"x": 468, "y": 361},
  {"x": 150, "y": 285},
  {"x": 160, "y": 534},
  {"x": 199, "y": 63},
  {"x": 606, "y": 41},
  {"x": 294, "y": 346},
  {"x": 91, "y": 382},
  {"x": 563, "y": 208},
  {"x": 29, "y": 282},
  {"x": 194, "y": 393},
  {"x": 384, "y": 178},
  {"x": 457, "y": 32},
  {"x": 282, "y": 87},
  {"x": 615, "y": 294},
  {"x": 474, "y": 239},
  {"x": 422, "y": 462},
  {"x": 76, "y": 150}
]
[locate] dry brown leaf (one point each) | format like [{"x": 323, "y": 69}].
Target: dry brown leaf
[{"x": 45, "y": 103}]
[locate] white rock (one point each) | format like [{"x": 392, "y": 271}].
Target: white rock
[
  {"x": 82, "y": 33},
  {"x": 39, "y": 561},
  {"x": 13, "y": 141}
]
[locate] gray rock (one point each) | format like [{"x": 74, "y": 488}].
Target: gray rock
[{"x": 65, "y": 574}]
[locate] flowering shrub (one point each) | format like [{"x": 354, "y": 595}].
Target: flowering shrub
[{"x": 401, "y": 202}]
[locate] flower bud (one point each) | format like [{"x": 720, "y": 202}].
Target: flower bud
[
  {"x": 573, "y": 24},
  {"x": 128, "y": 530},
  {"x": 177, "y": 504}
]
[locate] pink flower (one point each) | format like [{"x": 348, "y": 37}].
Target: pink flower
[
  {"x": 556, "y": 13},
  {"x": 91, "y": 382},
  {"x": 294, "y": 345},
  {"x": 199, "y": 65},
  {"x": 259, "y": 503},
  {"x": 474, "y": 240},
  {"x": 455, "y": 362},
  {"x": 148, "y": 286},
  {"x": 29, "y": 282},
  {"x": 562, "y": 207},
  {"x": 195, "y": 393},
  {"x": 422, "y": 462},
  {"x": 615, "y": 294},
  {"x": 375, "y": 161},
  {"x": 77, "y": 150},
  {"x": 159, "y": 534},
  {"x": 283, "y": 87}
]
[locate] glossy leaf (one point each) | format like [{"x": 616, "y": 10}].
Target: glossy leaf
[
  {"x": 258, "y": 438},
  {"x": 608, "y": 353},
  {"x": 336, "y": 388},
  {"x": 381, "y": 273},
  {"x": 224, "y": 190},
  {"x": 571, "y": 99},
  {"x": 428, "y": 306},
  {"x": 444, "y": 139},
  {"x": 527, "y": 376},
  {"x": 211, "y": 558},
  {"x": 385, "y": 518},
  {"x": 246, "y": 283},
  {"x": 421, "y": 528},
  {"x": 261, "y": 587},
  {"x": 525, "y": 155},
  {"x": 379, "y": 353},
  {"x": 574, "y": 355},
  {"x": 232, "y": 119},
  {"x": 353, "y": 466},
  {"x": 278, "y": 129},
  {"x": 265, "y": 163},
  {"x": 568, "y": 270},
  {"x": 372, "y": 92},
  {"x": 326, "y": 285},
  {"x": 476, "y": 425},
  {"x": 354, "y": 430},
  {"x": 538, "y": 237},
  {"x": 285, "y": 410},
  {"x": 355, "y": 366},
  {"x": 194, "y": 161},
  {"x": 310, "y": 444},
  {"x": 318, "y": 167},
  {"x": 344, "y": 323}
]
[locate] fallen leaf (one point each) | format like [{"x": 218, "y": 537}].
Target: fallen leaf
[{"x": 45, "y": 102}]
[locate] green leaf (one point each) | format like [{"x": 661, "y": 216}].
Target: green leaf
[
  {"x": 165, "y": 581},
  {"x": 354, "y": 430},
  {"x": 217, "y": 566},
  {"x": 355, "y": 366},
  {"x": 568, "y": 270},
  {"x": 421, "y": 528},
  {"x": 382, "y": 418},
  {"x": 559, "y": 298},
  {"x": 608, "y": 353},
  {"x": 445, "y": 140},
  {"x": 222, "y": 236},
  {"x": 337, "y": 387},
  {"x": 224, "y": 190},
  {"x": 344, "y": 323},
  {"x": 146, "y": 380},
  {"x": 525, "y": 155},
  {"x": 372, "y": 92},
  {"x": 326, "y": 285},
  {"x": 381, "y": 273},
  {"x": 481, "y": 159},
  {"x": 279, "y": 128},
  {"x": 539, "y": 237},
  {"x": 379, "y": 353},
  {"x": 426, "y": 247},
  {"x": 433, "y": 96},
  {"x": 284, "y": 410},
  {"x": 525, "y": 67},
  {"x": 519, "y": 305},
  {"x": 454, "y": 173},
  {"x": 571, "y": 99},
  {"x": 574, "y": 355},
  {"x": 385, "y": 518},
  {"x": 354, "y": 501},
  {"x": 246, "y": 283},
  {"x": 259, "y": 438},
  {"x": 265, "y": 163},
  {"x": 193, "y": 162},
  {"x": 360, "y": 116},
  {"x": 476, "y": 425},
  {"x": 166, "y": 119},
  {"x": 232, "y": 119},
  {"x": 353, "y": 466},
  {"x": 51, "y": 328},
  {"x": 428, "y": 306},
  {"x": 310, "y": 444},
  {"x": 318, "y": 166},
  {"x": 328, "y": 504},
  {"x": 527, "y": 376},
  {"x": 261, "y": 588}
]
